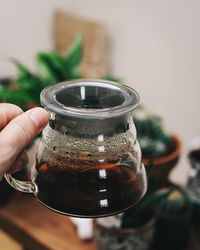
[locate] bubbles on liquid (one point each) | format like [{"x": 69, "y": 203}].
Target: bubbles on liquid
[{"x": 62, "y": 148}]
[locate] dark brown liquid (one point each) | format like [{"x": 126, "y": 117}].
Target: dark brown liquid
[{"x": 101, "y": 190}]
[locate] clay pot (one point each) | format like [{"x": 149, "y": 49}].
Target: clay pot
[{"x": 159, "y": 168}]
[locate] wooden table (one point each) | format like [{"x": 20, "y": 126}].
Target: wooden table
[
  {"x": 38, "y": 228},
  {"x": 35, "y": 227},
  {"x": 7, "y": 242}
]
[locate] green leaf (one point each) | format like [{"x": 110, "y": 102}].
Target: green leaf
[
  {"x": 15, "y": 96},
  {"x": 151, "y": 133},
  {"x": 144, "y": 210},
  {"x": 74, "y": 55},
  {"x": 25, "y": 78},
  {"x": 73, "y": 75},
  {"x": 51, "y": 67}
]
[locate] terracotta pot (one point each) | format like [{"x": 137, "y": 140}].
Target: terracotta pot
[
  {"x": 124, "y": 239},
  {"x": 159, "y": 168}
]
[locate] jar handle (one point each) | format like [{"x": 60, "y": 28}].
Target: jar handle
[{"x": 23, "y": 186}]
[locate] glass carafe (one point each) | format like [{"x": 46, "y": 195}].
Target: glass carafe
[{"x": 88, "y": 162}]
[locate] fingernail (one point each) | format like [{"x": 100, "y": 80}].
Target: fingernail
[{"x": 39, "y": 117}]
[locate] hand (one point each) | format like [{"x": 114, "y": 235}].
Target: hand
[{"x": 17, "y": 130}]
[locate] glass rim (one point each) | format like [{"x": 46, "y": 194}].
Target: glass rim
[{"x": 49, "y": 101}]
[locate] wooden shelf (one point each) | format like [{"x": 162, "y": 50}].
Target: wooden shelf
[{"x": 37, "y": 227}]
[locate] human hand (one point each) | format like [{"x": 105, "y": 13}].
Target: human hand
[{"x": 17, "y": 130}]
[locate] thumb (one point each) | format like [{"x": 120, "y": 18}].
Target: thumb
[{"x": 18, "y": 134}]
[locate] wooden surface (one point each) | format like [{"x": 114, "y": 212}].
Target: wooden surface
[
  {"x": 30, "y": 226},
  {"x": 95, "y": 53},
  {"x": 36, "y": 227},
  {"x": 7, "y": 242}
]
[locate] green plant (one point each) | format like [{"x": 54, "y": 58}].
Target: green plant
[
  {"x": 151, "y": 133},
  {"x": 173, "y": 221},
  {"x": 51, "y": 68},
  {"x": 142, "y": 212},
  {"x": 176, "y": 203},
  {"x": 171, "y": 201}
]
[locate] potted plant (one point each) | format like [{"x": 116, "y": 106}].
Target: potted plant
[
  {"x": 173, "y": 221},
  {"x": 133, "y": 229},
  {"x": 51, "y": 68},
  {"x": 160, "y": 153},
  {"x": 160, "y": 149},
  {"x": 193, "y": 183}
]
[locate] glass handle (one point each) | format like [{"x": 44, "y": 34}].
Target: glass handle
[{"x": 23, "y": 186}]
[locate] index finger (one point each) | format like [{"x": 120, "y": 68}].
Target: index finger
[
  {"x": 18, "y": 134},
  {"x": 7, "y": 113}
]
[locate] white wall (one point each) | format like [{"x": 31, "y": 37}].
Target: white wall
[{"x": 155, "y": 48}]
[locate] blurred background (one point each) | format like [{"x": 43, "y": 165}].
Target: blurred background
[{"x": 153, "y": 46}]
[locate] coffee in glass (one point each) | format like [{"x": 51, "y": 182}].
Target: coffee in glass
[{"x": 88, "y": 162}]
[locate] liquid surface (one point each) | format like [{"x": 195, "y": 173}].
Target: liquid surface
[{"x": 100, "y": 190}]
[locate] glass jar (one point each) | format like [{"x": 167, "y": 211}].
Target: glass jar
[{"x": 88, "y": 162}]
